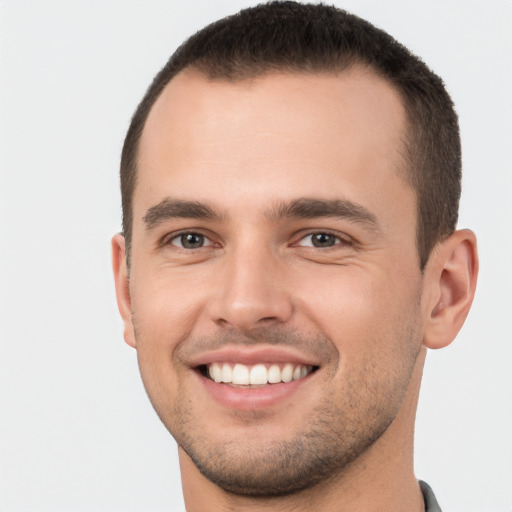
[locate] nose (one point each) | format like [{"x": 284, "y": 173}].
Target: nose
[{"x": 252, "y": 292}]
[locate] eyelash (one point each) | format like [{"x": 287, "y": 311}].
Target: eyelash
[
  {"x": 179, "y": 236},
  {"x": 338, "y": 240}
]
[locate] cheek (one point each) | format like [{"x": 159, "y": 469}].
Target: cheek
[
  {"x": 162, "y": 316},
  {"x": 165, "y": 307},
  {"x": 160, "y": 321},
  {"x": 365, "y": 314},
  {"x": 375, "y": 326}
]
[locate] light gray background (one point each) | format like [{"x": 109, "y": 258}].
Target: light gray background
[{"x": 77, "y": 432}]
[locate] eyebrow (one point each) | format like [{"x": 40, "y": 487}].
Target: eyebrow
[
  {"x": 302, "y": 208},
  {"x": 311, "y": 208},
  {"x": 178, "y": 209}
]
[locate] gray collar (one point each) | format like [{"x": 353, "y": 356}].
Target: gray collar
[{"x": 431, "y": 504}]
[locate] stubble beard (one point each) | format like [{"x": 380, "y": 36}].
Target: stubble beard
[
  {"x": 336, "y": 432},
  {"x": 247, "y": 468},
  {"x": 334, "y": 436}
]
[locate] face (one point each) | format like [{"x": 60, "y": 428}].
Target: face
[{"x": 275, "y": 290}]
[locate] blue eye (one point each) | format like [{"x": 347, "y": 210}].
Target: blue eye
[{"x": 191, "y": 241}]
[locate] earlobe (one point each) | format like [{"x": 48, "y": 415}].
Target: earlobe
[
  {"x": 451, "y": 276},
  {"x": 122, "y": 284}
]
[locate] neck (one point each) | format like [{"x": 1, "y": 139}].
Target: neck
[{"x": 380, "y": 479}]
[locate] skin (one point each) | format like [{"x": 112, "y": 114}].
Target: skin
[{"x": 360, "y": 310}]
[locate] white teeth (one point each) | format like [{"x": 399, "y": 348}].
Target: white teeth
[
  {"x": 227, "y": 373},
  {"x": 287, "y": 373},
  {"x": 215, "y": 372},
  {"x": 274, "y": 374},
  {"x": 240, "y": 374},
  {"x": 257, "y": 375}
]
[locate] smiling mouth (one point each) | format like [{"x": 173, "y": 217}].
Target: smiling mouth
[{"x": 241, "y": 375}]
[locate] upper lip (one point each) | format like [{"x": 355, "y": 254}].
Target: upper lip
[{"x": 254, "y": 355}]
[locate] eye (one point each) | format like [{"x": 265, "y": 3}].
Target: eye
[
  {"x": 320, "y": 240},
  {"x": 191, "y": 241}
]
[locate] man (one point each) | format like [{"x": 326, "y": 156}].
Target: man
[{"x": 290, "y": 188}]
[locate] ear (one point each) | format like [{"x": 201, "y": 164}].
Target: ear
[
  {"x": 451, "y": 275},
  {"x": 122, "y": 282}
]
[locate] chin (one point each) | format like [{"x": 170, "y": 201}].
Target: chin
[{"x": 248, "y": 466}]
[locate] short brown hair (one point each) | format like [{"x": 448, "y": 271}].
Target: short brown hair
[{"x": 311, "y": 38}]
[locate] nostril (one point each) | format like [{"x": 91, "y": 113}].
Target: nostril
[{"x": 268, "y": 319}]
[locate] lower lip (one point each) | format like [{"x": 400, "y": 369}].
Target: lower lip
[{"x": 250, "y": 399}]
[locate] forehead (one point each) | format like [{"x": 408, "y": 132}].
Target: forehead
[{"x": 271, "y": 137}]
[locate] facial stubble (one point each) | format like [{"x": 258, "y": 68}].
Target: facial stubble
[{"x": 339, "y": 429}]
